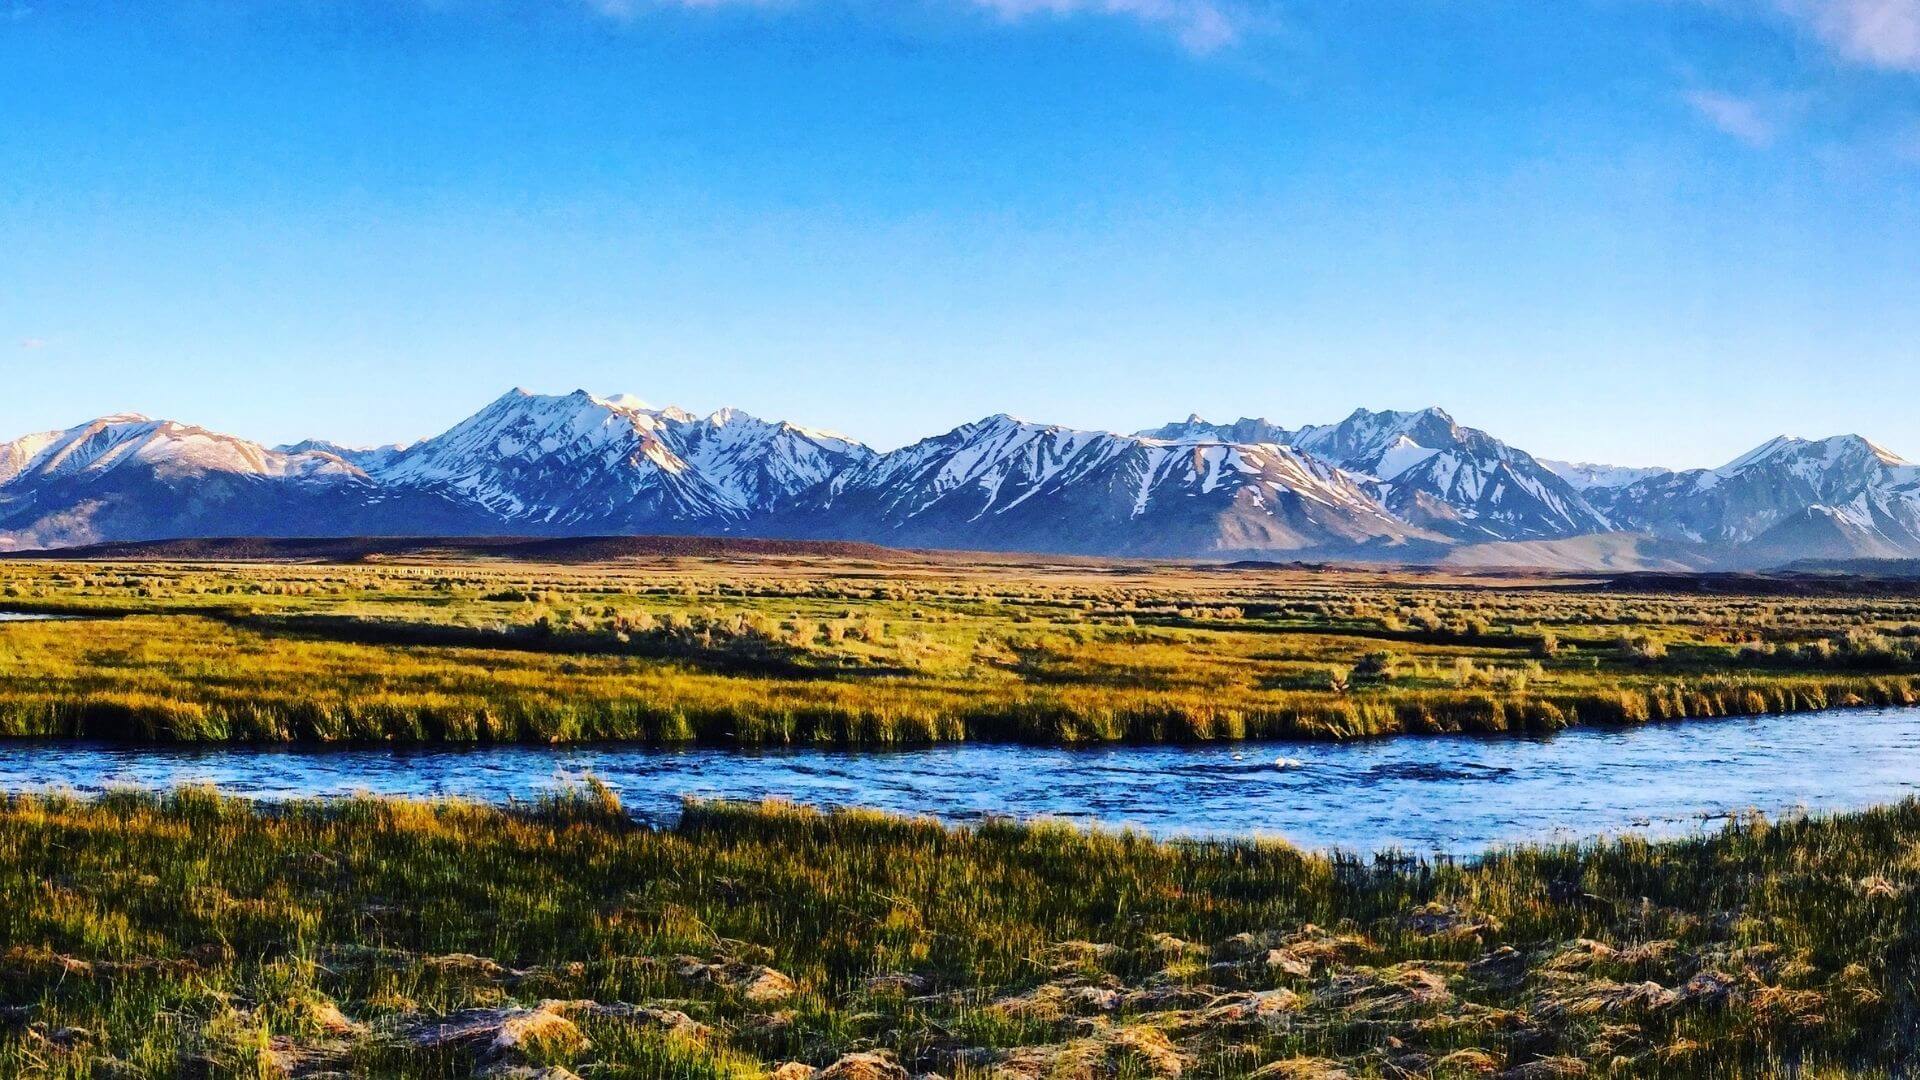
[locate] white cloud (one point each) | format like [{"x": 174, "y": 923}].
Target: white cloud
[
  {"x": 626, "y": 9},
  {"x": 1202, "y": 26},
  {"x": 33, "y": 343},
  {"x": 1879, "y": 33},
  {"x": 1742, "y": 118}
]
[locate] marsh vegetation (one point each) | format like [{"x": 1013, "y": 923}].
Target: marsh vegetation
[{"x": 786, "y": 651}]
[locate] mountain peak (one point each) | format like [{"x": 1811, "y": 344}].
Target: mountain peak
[
  {"x": 1766, "y": 451},
  {"x": 1882, "y": 452},
  {"x": 1833, "y": 450},
  {"x": 1365, "y": 434},
  {"x": 1197, "y": 429},
  {"x": 1000, "y": 421},
  {"x": 1395, "y": 416},
  {"x": 1862, "y": 446}
]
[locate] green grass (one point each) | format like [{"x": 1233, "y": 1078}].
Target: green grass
[
  {"x": 193, "y": 935},
  {"x": 755, "y": 653}
]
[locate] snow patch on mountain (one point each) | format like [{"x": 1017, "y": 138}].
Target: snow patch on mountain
[{"x": 1402, "y": 454}]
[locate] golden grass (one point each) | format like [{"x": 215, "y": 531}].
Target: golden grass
[
  {"x": 188, "y": 934},
  {"x": 740, "y": 652}
]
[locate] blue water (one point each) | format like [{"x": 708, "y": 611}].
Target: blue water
[{"x": 1455, "y": 794}]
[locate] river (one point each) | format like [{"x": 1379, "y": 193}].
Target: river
[{"x": 1452, "y": 794}]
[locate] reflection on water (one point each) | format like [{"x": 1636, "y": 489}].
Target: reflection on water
[{"x": 1454, "y": 794}]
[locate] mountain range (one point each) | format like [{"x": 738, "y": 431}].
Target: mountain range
[{"x": 1389, "y": 486}]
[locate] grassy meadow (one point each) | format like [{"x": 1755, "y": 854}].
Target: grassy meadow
[
  {"x": 843, "y": 651},
  {"x": 190, "y": 935}
]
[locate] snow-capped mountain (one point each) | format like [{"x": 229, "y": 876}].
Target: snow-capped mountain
[
  {"x": 1390, "y": 485},
  {"x": 127, "y": 476},
  {"x": 1586, "y": 476},
  {"x": 369, "y": 458},
  {"x": 565, "y": 463},
  {"x": 17, "y": 455},
  {"x": 1430, "y": 472},
  {"x": 760, "y": 465},
  {"x": 1457, "y": 480},
  {"x": 130, "y": 441},
  {"x": 584, "y": 463},
  {"x": 1004, "y": 483},
  {"x": 1244, "y": 430},
  {"x": 1840, "y": 487}
]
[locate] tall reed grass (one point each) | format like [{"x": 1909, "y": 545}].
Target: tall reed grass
[{"x": 728, "y": 653}]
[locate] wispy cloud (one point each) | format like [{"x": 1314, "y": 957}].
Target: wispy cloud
[
  {"x": 626, "y": 9},
  {"x": 1201, "y": 26},
  {"x": 33, "y": 343},
  {"x": 1878, "y": 33},
  {"x": 1743, "y": 118}
]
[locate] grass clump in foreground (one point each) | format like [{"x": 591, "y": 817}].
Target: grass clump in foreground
[{"x": 189, "y": 934}]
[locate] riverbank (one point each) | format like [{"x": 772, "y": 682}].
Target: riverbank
[
  {"x": 718, "y": 653},
  {"x": 190, "y": 933}
]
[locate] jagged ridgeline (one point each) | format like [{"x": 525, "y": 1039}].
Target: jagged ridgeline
[{"x": 1397, "y": 486}]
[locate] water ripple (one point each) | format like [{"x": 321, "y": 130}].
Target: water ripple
[{"x": 1459, "y": 794}]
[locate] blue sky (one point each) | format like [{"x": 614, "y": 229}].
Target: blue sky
[{"x": 1625, "y": 230}]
